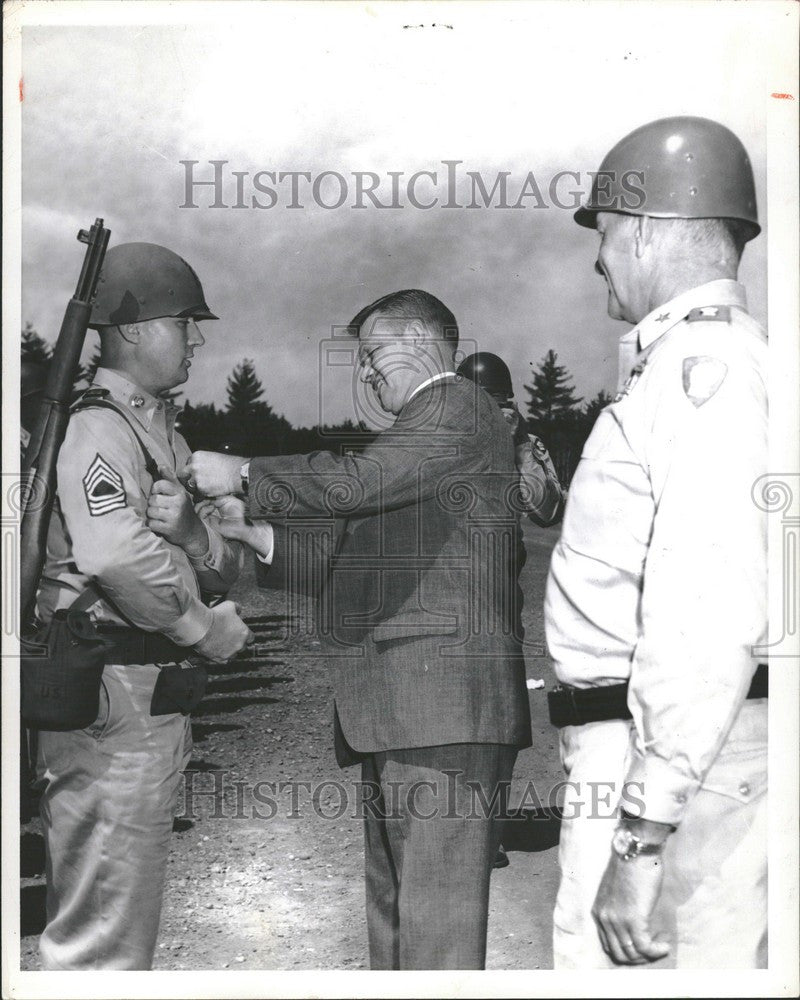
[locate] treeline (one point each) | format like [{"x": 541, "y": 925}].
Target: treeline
[
  {"x": 560, "y": 418},
  {"x": 247, "y": 424}
]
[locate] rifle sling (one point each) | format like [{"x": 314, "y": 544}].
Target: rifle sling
[{"x": 92, "y": 592}]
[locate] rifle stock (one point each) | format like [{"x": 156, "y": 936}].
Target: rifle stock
[{"x": 41, "y": 455}]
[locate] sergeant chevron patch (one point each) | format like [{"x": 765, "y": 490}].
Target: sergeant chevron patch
[
  {"x": 103, "y": 487},
  {"x": 702, "y": 376}
]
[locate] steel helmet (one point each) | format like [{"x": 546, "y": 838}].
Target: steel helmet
[
  {"x": 141, "y": 281},
  {"x": 490, "y": 373},
  {"x": 676, "y": 168}
]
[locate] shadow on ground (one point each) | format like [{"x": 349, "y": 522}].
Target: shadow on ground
[
  {"x": 530, "y": 830},
  {"x": 32, "y": 909}
]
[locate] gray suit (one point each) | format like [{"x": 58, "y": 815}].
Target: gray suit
[{"x": 414, "y": 546}]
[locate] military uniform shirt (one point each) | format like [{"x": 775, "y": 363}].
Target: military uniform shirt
[
  {"x": 99, "y": 529},
  {"x": 660, "y": 574}
]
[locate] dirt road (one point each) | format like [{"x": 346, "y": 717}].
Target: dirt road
[{"x": 250, "y": 890}]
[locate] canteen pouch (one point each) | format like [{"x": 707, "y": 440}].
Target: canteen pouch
[
  {"x": 178, "y": 688},
  {"x": 61, "y": 668}
]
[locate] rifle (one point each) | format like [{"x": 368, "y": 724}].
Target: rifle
[{"x": 41, "y": 455}]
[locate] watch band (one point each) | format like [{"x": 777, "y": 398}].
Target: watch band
[{"x": 627, "y": 845}]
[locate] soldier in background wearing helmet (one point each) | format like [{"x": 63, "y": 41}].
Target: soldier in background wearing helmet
[
  {"x": 656, "y": 596},
  {"x": 126, "y": 541},
  {"x": 541, "y": 494}
]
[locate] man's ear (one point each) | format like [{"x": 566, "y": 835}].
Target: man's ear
[
  {"x": 643, "y": 234},
  {"x": 130, "y": 332},
  {"x": 417, "y": 332}
]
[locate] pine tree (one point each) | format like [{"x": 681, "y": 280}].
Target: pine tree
[
  {"x": 591, "y": 410},
  {"x": 35, "y": 348},
  {"x": 90, "y": 370},
  {"x": 244, "y": 388},
  {"x": 202, "y": 426},
  {"x": 552, "y": 394},
  {"x": 37, "y": 351}
]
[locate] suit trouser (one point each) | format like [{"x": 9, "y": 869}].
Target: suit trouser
[
  {"x": 430, "y": 841},
  {"x": 109, "y": 795},
  {"x": 713, "y": 904}
]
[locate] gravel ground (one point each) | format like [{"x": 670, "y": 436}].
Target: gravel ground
[{"x": 250, "y": 890}]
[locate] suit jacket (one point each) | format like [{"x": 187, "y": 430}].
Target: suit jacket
[{"x": 413, "y": 550}]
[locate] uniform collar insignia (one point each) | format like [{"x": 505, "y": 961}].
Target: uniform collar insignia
[
  {"x": 140, "y": 403},
  {"x": 722, "y": 292}
]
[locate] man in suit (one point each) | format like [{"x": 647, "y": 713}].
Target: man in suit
[{"x": 419, "y": 613}]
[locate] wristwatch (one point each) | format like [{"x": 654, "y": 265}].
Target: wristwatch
[
  {"x": 244, "y": 472},
  {"x": 626, "y": 845}
]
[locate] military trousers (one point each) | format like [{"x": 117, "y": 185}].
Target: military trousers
[
  {"x": 713, "y": 904},
  {"x": 109, "y": 796},
  {"x": 433, "y": 818}
]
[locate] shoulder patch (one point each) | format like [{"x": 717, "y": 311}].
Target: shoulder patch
[
  {"x": 714, "y": 314},
  {"x": 702, "y": 376},
  {"x": 103, "y": 487}
]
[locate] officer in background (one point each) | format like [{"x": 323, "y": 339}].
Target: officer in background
[
  {"x": 127, "y": 543},
  {"x": 541, "y": 494},
  {"x": 657, "y": 590}
]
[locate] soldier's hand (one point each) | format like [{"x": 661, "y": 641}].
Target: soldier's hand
[
  {"x": 227, "y": 635},
  {"x": 171, "y": 514},
  {"x": 225, "y": 514},
  {"x": 213, "y": 474},
  {"x": 623, "y": 907},
  {"x": 512, "y": 415}
]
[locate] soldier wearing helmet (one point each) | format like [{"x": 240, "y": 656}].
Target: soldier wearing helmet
[
  {"x": 541, "y": 494},
  {"x": 126, "y": 544},
  {"x": 656, "y": 597}
]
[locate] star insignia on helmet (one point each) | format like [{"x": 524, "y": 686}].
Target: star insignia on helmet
[{"x": 662, "y": 317}]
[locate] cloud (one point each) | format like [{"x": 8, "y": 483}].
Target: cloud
[{"x": 110, "y": 112}]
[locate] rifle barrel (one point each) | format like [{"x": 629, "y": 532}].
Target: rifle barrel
[{"x": 48, "y": 433}]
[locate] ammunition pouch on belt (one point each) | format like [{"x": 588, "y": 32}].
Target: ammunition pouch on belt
[
  {"x": 571, "y": 706},
  {"x": 178, "y": 689},
  {"x": 61, "y": 667},
  {"x": 181, "y": 683},
  {"x": 62, "y": 664}
]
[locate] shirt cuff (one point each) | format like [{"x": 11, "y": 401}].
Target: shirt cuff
[
  {"x": 664, "y": 791},
  {"x": 192, "y": 625},
  {"x": 212, "y": 558},
  {"x": 267, "y": 542}
]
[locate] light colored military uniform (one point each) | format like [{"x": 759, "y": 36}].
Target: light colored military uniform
[
  {"x": 110, "y": 791},
  {"x": 660, "y": 579}
]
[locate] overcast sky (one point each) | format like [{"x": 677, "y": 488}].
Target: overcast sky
[{"x": 109, "y": 113}]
